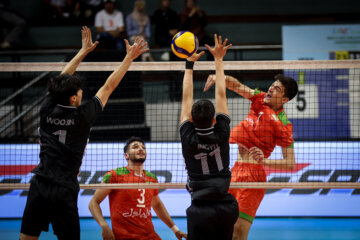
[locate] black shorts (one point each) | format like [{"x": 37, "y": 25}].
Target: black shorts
[
  {"x": 48, "y": 202},
  {"x": 211, "y": 219}
]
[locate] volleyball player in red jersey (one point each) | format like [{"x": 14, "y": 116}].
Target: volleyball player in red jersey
[
  {"x": 130, "y": 209},
  {"x": 265, "y": 127}
]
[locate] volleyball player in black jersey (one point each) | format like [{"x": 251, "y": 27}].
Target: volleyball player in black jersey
[
  {"x": 205, "y": 146},
  {"x": 64, "y": 131}
]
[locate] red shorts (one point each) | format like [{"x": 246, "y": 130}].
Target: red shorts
[{"x": 248, "y": 199}]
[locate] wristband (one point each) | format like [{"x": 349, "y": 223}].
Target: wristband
[
  {"x": 189, "y": 65},
  {"x": 174, "y": 228}
]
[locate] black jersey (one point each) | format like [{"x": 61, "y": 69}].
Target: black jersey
[
  {"x": 64, "y": 133},
  {"x": 206, "y": 154}
]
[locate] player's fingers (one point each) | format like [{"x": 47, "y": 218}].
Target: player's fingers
[
  {"x": 143, "y": 45},
  {"x": 127, "y": 43},
  {"x": 216, "y": 39},
  {"x": 201, "y": 53},
  {"x": 207, "y": 86},
  {"x": 220, "y": 40},
  {"x": 144, "y": 50},
  {"x": 208, "y": 47},
  {"x": 254, "y": 149},
  {"x": 228, "y": 46}
]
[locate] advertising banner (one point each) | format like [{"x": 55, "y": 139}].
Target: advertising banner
[{"x": 316, "y": 161}]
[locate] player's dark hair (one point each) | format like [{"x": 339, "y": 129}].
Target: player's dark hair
[
  {"x": 202, "y": 113},
  {"x": 62, "y": 87},
  {"x": 131, "y": 140},
  {"x": 291, "y": 87}
]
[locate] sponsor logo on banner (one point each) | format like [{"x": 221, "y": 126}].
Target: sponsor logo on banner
[{"x": 21, "y": 174}]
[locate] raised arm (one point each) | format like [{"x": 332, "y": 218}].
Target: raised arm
[
  {"x": 188, "y": 88},
  {"x": 163, "y": 214},
  {"x": 231, "y": 84},
  {"x": 219, "y": 52},
  {"x": 115, "y": 78},
  {"x": 94, "y": 207},
  {"x": 87, "y": 46}
]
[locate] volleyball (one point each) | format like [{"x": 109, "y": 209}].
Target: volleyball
[{"x": 184, "y": 44}]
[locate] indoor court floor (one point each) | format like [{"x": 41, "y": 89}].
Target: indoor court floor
[{"x": 263, "y": 228}]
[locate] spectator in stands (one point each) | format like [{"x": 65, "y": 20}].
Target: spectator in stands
[
  {"x": 86, "y": 9},
  {"x": 166, "y": 23},
  {"x": 16, "y": 23},
  {"x": 109, "y": 24},
  {"x": 193, "y": 19},
  {"x": 59, "y": 9},
  {"x": 138, "y": 25}
]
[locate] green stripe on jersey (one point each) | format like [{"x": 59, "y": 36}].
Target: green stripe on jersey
[
  {"x": 149, "y": 174},
  {"x": 283, "y": 118},
  {"x": 256, "y": 91},
  {"x": 107, "y": 177},
  {"x": 121, "y": 171}
]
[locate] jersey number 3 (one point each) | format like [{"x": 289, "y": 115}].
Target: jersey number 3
[{"x": 141, "y": 200}]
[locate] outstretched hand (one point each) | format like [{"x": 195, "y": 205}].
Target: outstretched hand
[
  {"x": 138, "y": 48},
  {"x": 87, "y": 44},
  {"x": 209, "y": 82},
  {"x": 195, "y": 56},
  {"x": 220, "y": 48}
]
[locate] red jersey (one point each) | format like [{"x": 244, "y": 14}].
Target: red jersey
[
  {"x": 130, "y": 209},
  {"x": 263, "y": 127}
]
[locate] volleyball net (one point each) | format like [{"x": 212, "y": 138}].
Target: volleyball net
[{"x": 325, "y": 116}]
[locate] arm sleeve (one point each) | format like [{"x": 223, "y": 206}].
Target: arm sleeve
[
  {"x": 107, "y": 177},
  {"x": 91, "y": 109},
  {"x": 185, "y": 128},
  {"x": 285, "y": 135},
  {"x": 222, "y": 127},
  {"x": 257, "y": 95}
]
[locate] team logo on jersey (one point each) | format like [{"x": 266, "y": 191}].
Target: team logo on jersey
[{"x": 275, "y": 117}]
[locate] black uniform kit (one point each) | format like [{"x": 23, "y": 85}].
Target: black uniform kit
[
  {"x": 64, "y": 133},
  {"x": 213, "y": 211}
]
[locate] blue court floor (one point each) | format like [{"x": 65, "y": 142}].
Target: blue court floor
[{"x": 263, "y": 228}]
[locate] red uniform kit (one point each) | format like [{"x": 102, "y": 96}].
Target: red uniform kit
[
  {"x": 130, "y": 209},
  {"x": 263, "y": 128}
]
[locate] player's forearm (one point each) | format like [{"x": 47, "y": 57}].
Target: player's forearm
[
  {"x": 187, "y": 100},
  {"x": 220, "y": 88},
  {"x": 71, "y": 67},
  {"x": 97, "y": 214},
  {"x": 279, "y": 164},
  {"x": 234, "y": 85},
  {"x": 115, "y": 78},
  {"x": 163, "y": 214}
]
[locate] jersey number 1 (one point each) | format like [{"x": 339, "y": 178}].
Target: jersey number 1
[{"x": 62, "y": 135}]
